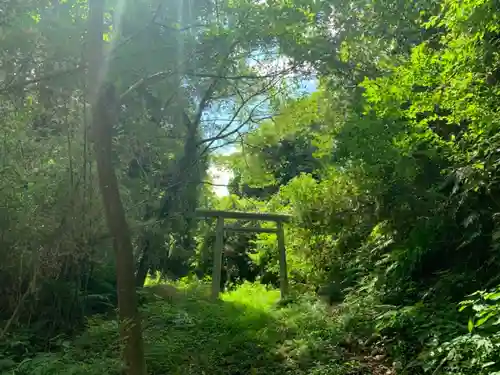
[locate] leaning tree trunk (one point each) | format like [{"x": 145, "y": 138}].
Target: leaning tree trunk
[{"x": 104, "y": 115}]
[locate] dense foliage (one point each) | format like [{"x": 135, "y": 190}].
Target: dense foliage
[
  {"x": 175, "y": 107},
  {"x": 399, "y": 206},
  {"x": 388, "y": 163}
]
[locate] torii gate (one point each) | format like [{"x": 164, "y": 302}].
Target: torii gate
[{"x": 219, "y": 241}]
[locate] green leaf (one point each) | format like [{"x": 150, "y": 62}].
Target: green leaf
[
  {"x": 488, "y": 364},
  {"x": 483, "y": 320},
  {"x": 493, "y": 296},
  {"x": 470, "y": 325}
]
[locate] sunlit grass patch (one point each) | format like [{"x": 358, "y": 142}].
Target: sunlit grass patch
[{"x": 257, "y": 296}]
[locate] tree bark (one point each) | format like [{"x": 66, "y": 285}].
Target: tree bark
[
  {"x": 104, "y": 115},
  {"x": 143, "y": 266}
]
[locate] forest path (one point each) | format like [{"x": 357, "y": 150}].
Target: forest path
[{"x": 247, "y": 332}]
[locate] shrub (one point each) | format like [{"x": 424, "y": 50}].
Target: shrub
[{"x": 478, "y": 351}]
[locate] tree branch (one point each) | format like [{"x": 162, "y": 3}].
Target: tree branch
[
  {"x": 211, "y": 88},
  {"x": 180, "y": 29},
  {"x": 216, "y": 76},
  {"x": 238, "y": 77},
  {"x": 221, "y": 134},
  {"x": 46, "y": 77},
  {"x": 144, "y": 81},
  {"x": 211, "y": 183}
]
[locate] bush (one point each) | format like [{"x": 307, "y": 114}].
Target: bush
[{"x": 478, "y": 351}]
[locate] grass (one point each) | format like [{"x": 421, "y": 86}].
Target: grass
[
  {"x": 255, "y": 296},
  {"x": 246, "y": 333}
]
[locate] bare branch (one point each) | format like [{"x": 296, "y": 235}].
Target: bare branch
[
  {"x": 144, "y": 81},
  {"x": 222, "y": 133},
  {"x": 227, "y": 126},
  {"x": 211, "y": 88},
  {"x": 180, "y": 29},
  {"x": 226, "y": 119},
  {"x": 230, "y": 142},
  {"x": 211, "y": 183},
  {"x": 237, "y": 130},
  {"x": 238, "y": 77},
  {"x": 216, "y": 76}
]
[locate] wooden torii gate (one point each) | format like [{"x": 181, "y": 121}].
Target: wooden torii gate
[{"x": 219, "y": 241}]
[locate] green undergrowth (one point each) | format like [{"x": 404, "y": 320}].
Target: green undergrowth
[
  {"x": 248, "y": 332},
  {"x": 251, "y": 331}
]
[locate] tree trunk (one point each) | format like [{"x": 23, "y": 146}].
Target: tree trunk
[
  {"x": 143, "y": 266},
  {"x": 104, "y": 115}
]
